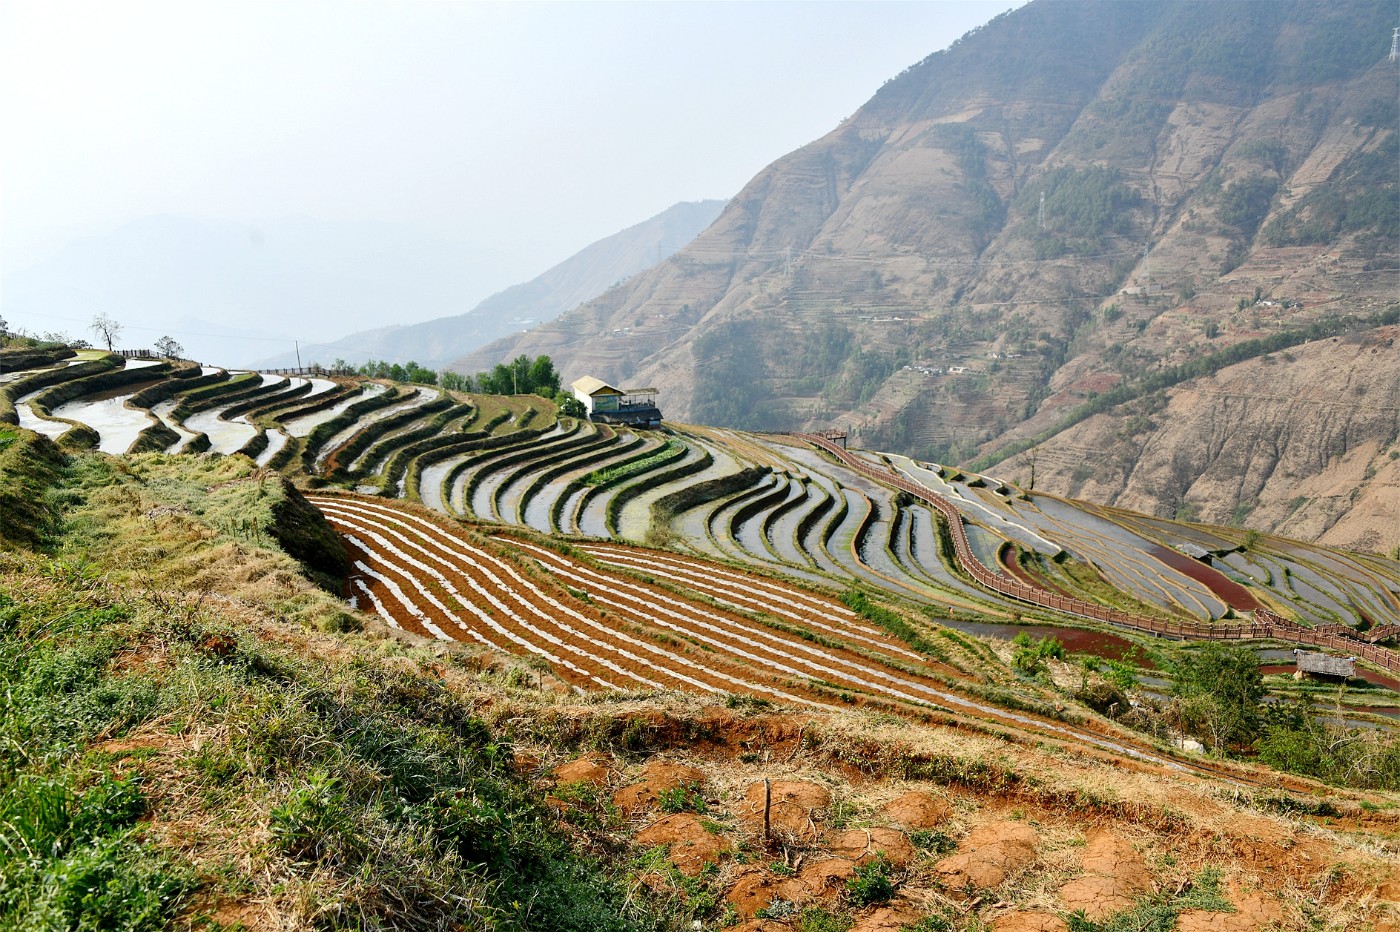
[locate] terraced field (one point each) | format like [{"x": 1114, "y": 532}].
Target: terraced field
[{"x": 754, "y": 507}]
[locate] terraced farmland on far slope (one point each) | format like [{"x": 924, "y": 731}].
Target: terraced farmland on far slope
[{"x": 957, "y": 548}]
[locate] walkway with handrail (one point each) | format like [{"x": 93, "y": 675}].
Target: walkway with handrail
[{"x": 1265, "y": 624}]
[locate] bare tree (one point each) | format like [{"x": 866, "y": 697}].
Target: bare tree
[
  {"x": 106, "y": 329},
  {"x": 1028, "y": 458},
  {"x": 168, "y": 348}
]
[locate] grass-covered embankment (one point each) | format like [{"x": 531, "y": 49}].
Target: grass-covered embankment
[{"x": 188, "y": 746}]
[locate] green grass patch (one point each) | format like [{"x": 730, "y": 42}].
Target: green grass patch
[
  {"x": 616, "y": 473},
  {"x": 1158, "y": 913}
]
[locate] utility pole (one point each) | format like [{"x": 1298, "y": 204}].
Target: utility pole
[{"x": 297, "y": 344}]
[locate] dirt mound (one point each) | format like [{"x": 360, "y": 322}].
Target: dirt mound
[
  {"x": 1252, "y": 911},
  {"x": 988, "y": 856},
  {"x": 1099, "y": 897},
  {"x": 756, "y": 888},
  {"x": 794, "y": 810},
  {"x": 862, "y": 845},
  {"x": 892, "y": 918},
  {"x": 657, "y": 777},
  {"x": 1115, "y": 876},
  {"x": 691, "y": 844},
  {"x": 588, "y": 770},
  {"x": 826, "y": 880},
  {"x": 1030, "y": 921},
  {"x": 1112, "y": 856},
  {"x": 917, "y": 809}
]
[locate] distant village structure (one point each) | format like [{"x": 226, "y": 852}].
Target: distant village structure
[{"x": 635, "y": 407}]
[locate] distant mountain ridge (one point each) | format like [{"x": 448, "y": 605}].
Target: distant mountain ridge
[
  {"x": 236, "y": 291},
  {"x": 1068, "y": 200},
  {"x": 581, "y": 277}
]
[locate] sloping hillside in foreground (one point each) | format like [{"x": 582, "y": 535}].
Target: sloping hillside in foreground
[{"x": 768, "y": 720}]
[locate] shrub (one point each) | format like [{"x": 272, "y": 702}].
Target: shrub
[
  {"x": 870, "y": 884},
  {"x": 1030, "y": 655},
  {"x": 683, "y": 798},
  {"x": 1218, "y": 690}
]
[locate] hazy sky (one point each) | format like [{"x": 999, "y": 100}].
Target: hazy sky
[{"x": 523, "y": 130}]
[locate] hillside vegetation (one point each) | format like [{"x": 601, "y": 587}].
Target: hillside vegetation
[{"x": 1069, "y": 203}]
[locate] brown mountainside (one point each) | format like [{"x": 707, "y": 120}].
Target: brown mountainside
[{"x": 1075, "y": 199}]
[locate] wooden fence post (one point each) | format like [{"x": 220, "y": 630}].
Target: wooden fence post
[{"x": 767, "y": 806}]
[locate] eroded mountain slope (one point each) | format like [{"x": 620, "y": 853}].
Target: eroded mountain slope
[
  {"x": 1302, "y": 442},
  {"x": 1068, "y": 200}
]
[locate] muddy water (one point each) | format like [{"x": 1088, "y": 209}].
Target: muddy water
[
  {"x": 1231, "y": 593},
  {"x": 424, "y": 396},
  {"x": 304, "y": 425},
  {"x": 1000, "y": 515},
  {"x": 224, "y": 436},
  {"x": 512, "y": 491},
  {"x": 430, "y": 484},
  {"x": 276, "y": 440},
  {"x": 718, "y": 520},
  {"x": 537, "y": 512},
  {"x": 634, "y": 520},
  {"x": 1075, "y": 640},
  {"x": 30, "y": 420},
  {"x": 163, "y": 411},
  {"x": 593, "y": 520},
  {"x": 317, "y": 385},
  {"x": 750, "y": 536},
  {"x": 117, "y": 425}
]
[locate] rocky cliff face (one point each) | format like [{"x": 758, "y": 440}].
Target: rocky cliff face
[
  {"x": 1305, "y": 443},
  {"x": 1068, "y": 201}
]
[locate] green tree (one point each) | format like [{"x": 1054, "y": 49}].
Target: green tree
[
  {"x": 541, "y": 375},
  {"x": 419, "y": 374},
  {"x": 1217, "y": 693}
]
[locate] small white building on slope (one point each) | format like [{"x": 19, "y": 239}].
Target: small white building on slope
[{"x": 635, "y": 407}]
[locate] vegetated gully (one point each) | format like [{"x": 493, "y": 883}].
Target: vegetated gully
[{"x": 424, "y": 576}]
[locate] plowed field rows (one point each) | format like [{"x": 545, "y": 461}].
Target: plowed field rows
[{"x": 599, "y": 628}]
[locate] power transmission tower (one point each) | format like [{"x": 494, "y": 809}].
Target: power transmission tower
[
  {"x": 1042, "y": 211},
  {"x": 1395, "y": 44},
  {"x": 1147, "y": 267}
]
